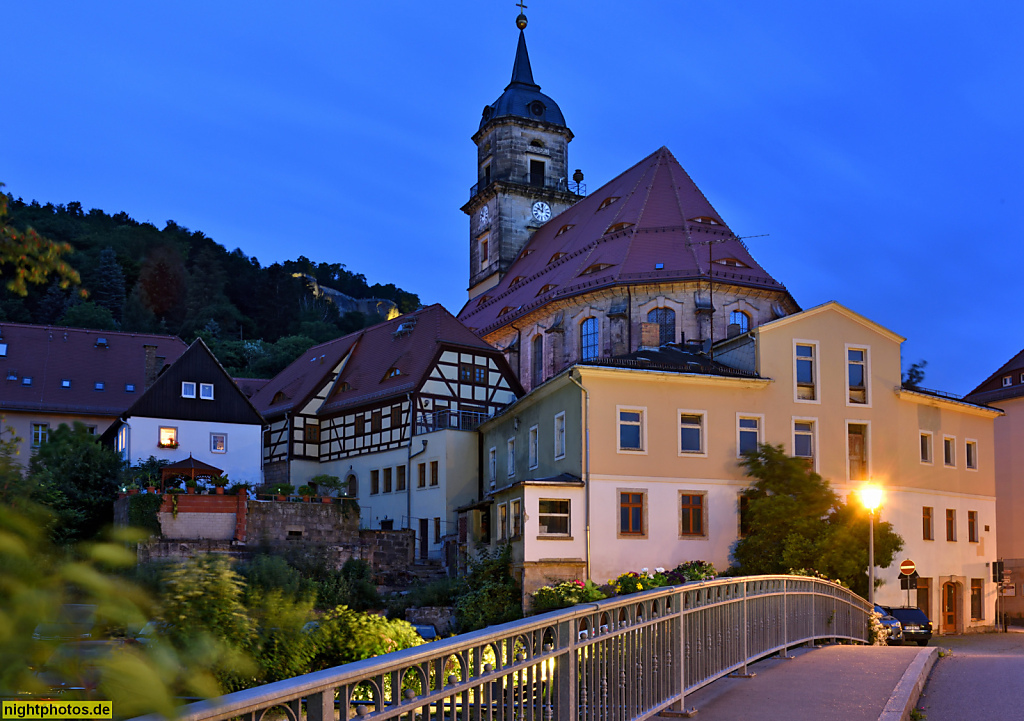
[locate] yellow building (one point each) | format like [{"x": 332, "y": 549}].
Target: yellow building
[{"x": 632, "y": 462}]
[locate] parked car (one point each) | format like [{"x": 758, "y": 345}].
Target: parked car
[
  {"x": 74, "y": 622},
  {"x": 916, "y": 626},
  {"x": 894, "y": 629}
]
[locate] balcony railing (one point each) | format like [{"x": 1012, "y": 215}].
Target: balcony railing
[
  {"x": 616, "y": 660},
  {"x": 449, "y": 420},
  {"x": 547, "y": 181}
]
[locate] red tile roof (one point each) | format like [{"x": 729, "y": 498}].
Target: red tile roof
[
  {"x": 407, "y": 343},
  {"x": 653, "y": 214},
  {"x": 52, "y": 355}
]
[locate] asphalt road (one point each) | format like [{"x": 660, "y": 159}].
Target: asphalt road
[{"x": 983, "y": 678}]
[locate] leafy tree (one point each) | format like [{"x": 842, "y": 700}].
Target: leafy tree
[
  {"x": 88, "y": 315},
  {"x": 796, "y": 521},
  {"x": 914, "y": 376},
  {"x": 14, "y": 488},
  {"x": 77, "y": 478},
  {"x": 27, "y": 257},
  {"x": 162, "y": 281}
]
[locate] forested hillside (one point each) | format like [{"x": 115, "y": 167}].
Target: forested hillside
[{"x": 178, "y": 281}]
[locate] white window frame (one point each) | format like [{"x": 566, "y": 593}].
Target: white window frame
[
  {"x": 533, "y": 447},
  {"x": 567, "y": 515},
  {"x": 1008, "y": 381},
  {"x": 560, "y": 436},
  {"x": 203, "y": 388},
  {"x": 510, "y": 448},
  {"x": 970, "y": 443},
  {"x": 931, "y": 448},
  {"x": 42, "y": 436},
  {"x": 759, "y": 417},
  {"x": 814, "y": 439},
  {"x": 213, "y": 447},
  {"x": 951, "y": 440},
  {"x": 867, "y": 447},
  {"x": 816, "y": 360},
  {"x": 703, "y": 452},
  {"x": 867, "y": 374},
  {"x": 492, "y": 467},
  {"x": 642, "y": 410},
  {"x": 188, "y": 389}
]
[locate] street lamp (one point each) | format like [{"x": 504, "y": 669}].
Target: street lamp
[{"x": 871, "y": 497}]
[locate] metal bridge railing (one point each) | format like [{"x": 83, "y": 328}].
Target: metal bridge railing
[{"x": 623, "y": 658}]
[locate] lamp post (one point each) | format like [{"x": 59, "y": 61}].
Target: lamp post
[{"x": 871, "y": 497}]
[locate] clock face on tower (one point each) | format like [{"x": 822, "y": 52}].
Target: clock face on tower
[{"x": 542, "y": 211}]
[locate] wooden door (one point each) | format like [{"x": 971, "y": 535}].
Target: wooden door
[
  {"x": 949, "y": 604},
  {"x": 424, "y": 527}
]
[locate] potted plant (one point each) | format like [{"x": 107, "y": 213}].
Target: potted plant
[
  {"x": 282, "y": 491},
  {"x": 190, "y": 485},
  {"x": 132, "y": 488},
  {"x": 218, "y": 484},
  {"x": 327, "y": 484},
  {"x": 305, "y": 492}
]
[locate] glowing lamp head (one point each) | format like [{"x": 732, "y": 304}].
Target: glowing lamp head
[{"x": 871, "y": 497}]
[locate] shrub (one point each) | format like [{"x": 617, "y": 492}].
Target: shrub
[
  {"x": 344, "y": 636},
  {"x": 492, "y": 595},
  {"x": 633, "y": 582},
  {"x": 305, "y": 490},
  {"x": 565, "y": 594},
  {"x": 690, "y": 571}
]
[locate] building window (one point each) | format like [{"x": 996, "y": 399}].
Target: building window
[
  {"x": 972, "y": 526},
  {"x": 374, "y": 482},
  {"x": 311, "y": 433},
  {"x": 3, "y": 350},
  {"x": 928, "y": 525},
  {"x": 470, "y": 373},
  {"x": 803, "y": 439},
  {"x": 515, "y": 519},
  {"x": 691, "y": 509},
  {"x": 536, "y": 171},
  {"x": 588, "y": 339},
  {"x": 631, "y": 429},
  {"x": 502, "y": 521},
  {"x": 40, "y": 434},
  {"x": 691, "y": 433},
  {"x": 950, "y": 524},
  {"x": 553, "y": 517},
  {"x": 748, "y": 434},
  {"x": 666, "y": 320},
  {"x": 206, "y": 391},
  {"x": 168, "y": 437},
  {"x": 532, "y": 447},
  {"x": 129, "y": 387},
  {"x": 396, "y": 417},
  {"x": 856, "y": 377},
  {"x": 434, "y": 480},
  {"x": 510, "y": 449},
  {"x": 806, "y": 386},
  {"x": 631, "y": 514},
  {"x": 65, "y": 383},
  {"x": 26, "y": 380},
  {"x": 926, "y": 447},
  {"x": 483, "y": 251},
  {"x": 387, "y": 480},
  {"x": 1007, "y": 381},
  {"x": 492, "y": 465},
  {"x": 376, "y": 421},
  {"x": 218, "y": 443},
  {"x": 188, "y": 389},
  {"x": 741, "y": 320},
  {"x": 421, "y": 471},
  {"x": 560, "y": 436},
  {"x": 537, "y": 360},
  {"x": 857, "y": 444},
  {"x": 399, "y": 478},
  {"x": 100, "y": 385},
  {"x": 971, "y": 455},
  {"x": 977, "y": 607},
  {"x": 949, "y": 451}
]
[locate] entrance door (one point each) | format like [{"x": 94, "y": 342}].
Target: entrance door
[
  {"x": 424, "y": 527},
  {"x": 949, "y": 603}
]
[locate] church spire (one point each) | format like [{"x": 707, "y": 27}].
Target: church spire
[{"x": 522, "y": 73}]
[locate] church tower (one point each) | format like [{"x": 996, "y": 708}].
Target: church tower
[{"x": 522, "y": 173}]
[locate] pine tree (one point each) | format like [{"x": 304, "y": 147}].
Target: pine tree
[{"x": 108, "y": 291}]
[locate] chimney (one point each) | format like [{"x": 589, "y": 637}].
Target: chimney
[
  {"x": 650, "y": 335},
  {"x": 151, "y": 366}
]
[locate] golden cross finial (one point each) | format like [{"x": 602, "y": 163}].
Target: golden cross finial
[
  {"x": 521, "y": 19},
  {"x": 521, "y": 6}
]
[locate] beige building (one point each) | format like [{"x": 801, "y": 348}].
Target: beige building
[{"x": 632, "y": 462}]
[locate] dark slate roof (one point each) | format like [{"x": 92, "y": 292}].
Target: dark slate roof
[
  {"x": 199, "y": 365},
  {"x": 522, "y": 97},
  {"x": 677, "y": 357},
  {"x": 249, "y": 386},
  {"x": 50, "y": 355},
  {"x": 409, "y": 343},
  {"x": 658, "y": 217},
  {"x": 992, "y": 388}
]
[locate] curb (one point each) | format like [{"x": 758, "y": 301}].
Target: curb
[{"x": 908, "y": 690}]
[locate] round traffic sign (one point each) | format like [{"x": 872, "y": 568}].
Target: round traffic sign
[{"x": 907, "y": 567}]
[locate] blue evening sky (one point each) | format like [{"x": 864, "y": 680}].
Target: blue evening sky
[{"x": 878, "y": 143}]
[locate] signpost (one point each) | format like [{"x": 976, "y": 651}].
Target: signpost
[
  {"x": 907, "y": 567},
  {"x": 908, "y": 576}
]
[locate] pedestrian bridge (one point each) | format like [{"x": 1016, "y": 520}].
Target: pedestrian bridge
[{"x": 624, "y": 658}]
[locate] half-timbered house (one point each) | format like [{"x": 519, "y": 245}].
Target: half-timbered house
[{"x": 392, "y": 410}]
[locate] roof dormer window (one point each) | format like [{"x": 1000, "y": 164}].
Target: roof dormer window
[
  {"x": 102, "y": 343},
  {"x": 556, "y": 256},
  {"x": 3, "y": 350},
  {"x": 732, "y": 262},
  {"x": 279, "y": 397},
  {"x": 344, "y": 386},
  {"x": 596, "y": 268},
  {"x": 548, "y": 287},
  {"x": 615, "y": 227},
  {"x": 100, "y": 385},
  {"x": 65, "y": 383},
  {"x": 188, "y": 389},
  {"x": 12, "y": 375},
  {"x": 526, "y": 252},
  {"x": 607, "y": 201},
  {"x": 518, "y": 279},
  {"x": 706, "y": 220},
  {"x": 506, "y": 309},
  {"x": 129, "y": 387},
  {"x": 483, "y": 299},
  {"x": 206, "y": 391},
  {"x": 564, "y": 228},
  {"x": 393, "y": 372},
  {"x": 26, "y": 381}
]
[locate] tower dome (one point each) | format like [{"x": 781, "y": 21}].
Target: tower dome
[{"x": 522, "y": 97}]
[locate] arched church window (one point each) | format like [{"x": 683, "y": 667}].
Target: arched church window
[
  {"x": 589, "y": 339},
  {"x": 666, "y": 320},
  {"x": 738, "y": 317},
  {"x": 537, "y": 361}
]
